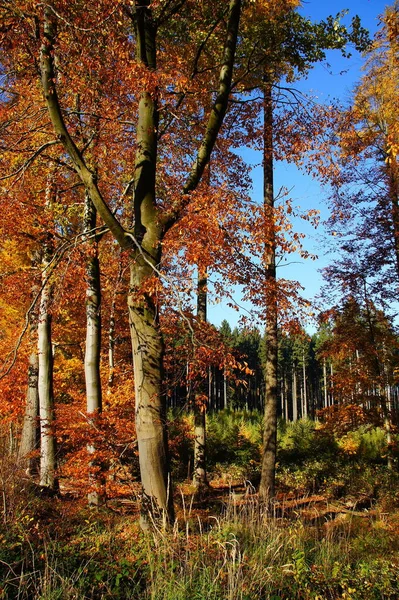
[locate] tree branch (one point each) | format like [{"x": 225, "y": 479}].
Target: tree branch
[
  {"x": 30, "y": 160},
  {"x": 50, "y": 93},
  {"x": 217, "y": 113}
]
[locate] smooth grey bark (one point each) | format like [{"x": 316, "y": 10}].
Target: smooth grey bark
[
  {"x": 93, "y": 344},
  {"x": 48, "y": 463},
  {"x": 93, "y": 315},
  {"x": 268, "y": 470},
  {"x": 30, "y": 436},
  {"x": 199, "y": 473}
]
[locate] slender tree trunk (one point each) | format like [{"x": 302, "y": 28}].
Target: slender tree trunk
[
  {"x": 225, "y": 400},
  {"x": 111, "y": 331},
  {"x": 325, "y": 388},
  {"x": 388, "y": 425},
  {"x": 93, "y": 345},
  {"x": 215, "y": 389},
  {"x": 286, "y": 397},
  {"x": 210, "y": 376},
  {"x": 294, "y": 395},
  {"x": 393, "y": 191},
  {"x": 48, "y": 463},
  {"x": 30, "y": 436},
  {"x": 267, "y": 482},
  {"x": 199, "y": 474},
  {"x": 305, "y": 396},
  {"x": 111, "y": 347}
]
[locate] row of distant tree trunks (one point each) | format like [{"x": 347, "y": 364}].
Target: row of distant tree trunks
[{"x": 293, "y": 401}]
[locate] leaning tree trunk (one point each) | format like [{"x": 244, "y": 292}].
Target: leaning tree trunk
[
  {"x": 30, "y": 430},
  {"x": 199, "y": 475},
  {"x": 48, "y": 463},
  {"x": 267, "y": 482},
  {"x": 93, "y": 346}
]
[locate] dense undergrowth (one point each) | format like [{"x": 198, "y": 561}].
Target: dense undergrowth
[{"x": 342, "y": 543}]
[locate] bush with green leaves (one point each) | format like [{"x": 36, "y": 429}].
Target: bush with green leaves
[
  {"x": 301, "y": 439},
  {"x": 234, "y": 440}
]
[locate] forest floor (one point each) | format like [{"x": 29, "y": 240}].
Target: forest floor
[
  {"x": 224, "y": 546},
  {"x": 331, "y": 534}
]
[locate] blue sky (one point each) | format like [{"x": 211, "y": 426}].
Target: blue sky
[{"x": 333, "y": 81}]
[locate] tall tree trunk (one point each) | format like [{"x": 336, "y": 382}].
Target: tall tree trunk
[
  {"x": 111, "y": 347},
  {"x": 93, "y": 344},
  {"x": 305, "y": 396},
  {"x": 147, "y": 341},
  {"x": 267, "y": 482},
  {"x": 393, "y": 192},
  {"x": 225, "y": 399},
  {"x": 387, "y": 407},
  {"x": 294, "y": 395},
  {"x": 148, "y": 351},
  {"x": 48, "y": 462},
  {"x": 199, "y": 474},
  {"x": 286, "y": 414},
  {"x": 325, "y": 388},
  {"x": 30, "y": 436}
]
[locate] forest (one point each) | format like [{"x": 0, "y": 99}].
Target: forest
[{"x": 146, "y": 452}]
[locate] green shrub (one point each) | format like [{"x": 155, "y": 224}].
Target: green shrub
[
  {"x": 234, "y": 439},
  {"x": 301, "y": 439}
]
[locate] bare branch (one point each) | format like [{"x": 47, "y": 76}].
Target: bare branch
[{"x": 30, "y": 160}]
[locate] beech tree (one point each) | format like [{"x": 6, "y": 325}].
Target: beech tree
[{"x": 51, "y": 42}]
